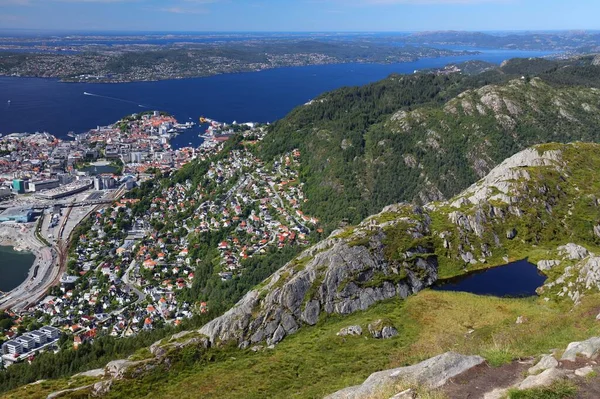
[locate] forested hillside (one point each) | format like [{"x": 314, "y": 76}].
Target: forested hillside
[{"x": 421, "y": 137}]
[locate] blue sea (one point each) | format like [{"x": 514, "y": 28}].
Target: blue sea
[{"x": 48, "y": 105}]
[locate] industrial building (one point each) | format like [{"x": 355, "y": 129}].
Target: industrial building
[
  {"x": 37, "y": 186},
  {"x": 19, "y": 215}
]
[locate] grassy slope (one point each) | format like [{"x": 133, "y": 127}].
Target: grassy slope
[{"x": 315, "y": 361}]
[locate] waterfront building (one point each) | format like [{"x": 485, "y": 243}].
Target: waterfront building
[{"x": 19, "y": 215}]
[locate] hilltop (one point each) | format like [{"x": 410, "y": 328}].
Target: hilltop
[
  {"x": 425, "y": 137},
  {"x": 542, "y": 203}
]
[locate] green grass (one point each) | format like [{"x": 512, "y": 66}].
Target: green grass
[
  {"x": 315, "y": 361},
  {"x": 558, "y": 390}
]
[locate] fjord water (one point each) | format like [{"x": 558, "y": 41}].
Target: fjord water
[
  {"x": 48, "y": 105},
  {"x": 516, "y": 279},
  {"x": 14, "y": 267}
]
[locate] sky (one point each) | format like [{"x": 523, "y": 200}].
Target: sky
[{"x": 298, "y": 15}]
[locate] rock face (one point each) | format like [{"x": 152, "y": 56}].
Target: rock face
[
  {"x": 432, "y": 373},
  {"x": 336, "y": 276},
  {"x": 396, "y": 253}
]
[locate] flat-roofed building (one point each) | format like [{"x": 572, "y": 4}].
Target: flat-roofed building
[
  {"x": 37, "y": 186},
  {"x": 12, "y": 347},
  {"x": 27, "y": 342},
  {"x": 19, "y": 215},
  {"x": 51, "y": 332},
  {"x": 39, "y": 337}
]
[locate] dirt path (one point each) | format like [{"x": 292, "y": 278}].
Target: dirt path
[{"x": 474, "y": 383}]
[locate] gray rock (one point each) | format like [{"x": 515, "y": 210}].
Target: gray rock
[
  {"x": 382, "y": 329},
  {"x": 388, "y": 332},
  {"x": 546, "y": 362},
  {"x": 101, "y": 388},
  {"x": 331, "y": 281},
  {"x": 544, "y": 265},
  {"x": 277, "y": 336},
  {"x": 511, "y": 234},
  {"x": 597, "y": 230},
  {"x": 543, "y": 379},
  {"x": 350, "y": 330},
  {"x": 91, "y": 373},
  {"x": 584, "y": 371},
  {"x": 588, "y": 348},
  {"x": 432, "y": 373},
  {"x": 59, "y": 394},
  {"x": 573, "y": 251}
]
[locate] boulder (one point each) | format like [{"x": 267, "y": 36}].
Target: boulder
[
  {"x": 102, "y": 388},
  {"x": 588, "y": 348},
  {"x": 543, "y": 379},
  {"x": 431, "y": 373},
  {"x": 511, "y": 234},
  {"x": 584, "y": 371},
  {"x": 350, "y": 330},
  {"x": 382, "y": 329},
  {"x": 545, "y": 363}
]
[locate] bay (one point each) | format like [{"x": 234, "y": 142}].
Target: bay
[
  {"x": 14, "y": 267},
  {"x": 38, "y": 104}
]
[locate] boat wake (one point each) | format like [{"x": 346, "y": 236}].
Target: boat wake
[{"x": 85, "y": 93}]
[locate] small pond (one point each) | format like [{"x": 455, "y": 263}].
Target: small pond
[{"x": 516, "y": 279}]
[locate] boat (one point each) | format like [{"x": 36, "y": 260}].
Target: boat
[
  {"x": 8, "y": 102},
  {"x": 71, "y": 134}
]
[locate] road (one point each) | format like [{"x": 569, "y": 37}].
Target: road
[{"x": 48, "y": 273}]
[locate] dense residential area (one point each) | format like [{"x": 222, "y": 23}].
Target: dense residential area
[{"x": 132, "y": 263}]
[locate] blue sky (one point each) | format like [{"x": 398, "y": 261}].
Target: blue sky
[{"x": 299, "y": 15}]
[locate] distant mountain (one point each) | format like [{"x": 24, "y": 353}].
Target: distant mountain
[{"x": 550, "y": 41}]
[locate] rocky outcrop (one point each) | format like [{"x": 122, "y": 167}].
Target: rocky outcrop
[
  {"x": 526, "y": 199},
  {"x": 337, "y": 276},
  {"x": 432, "y": 373}
]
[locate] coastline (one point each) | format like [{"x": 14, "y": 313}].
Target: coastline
[
  {"x": 68, "y": 79},
  {"x": 21, "y": 237}
]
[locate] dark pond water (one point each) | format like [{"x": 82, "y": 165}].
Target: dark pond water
[{"x": 516, "y": 279}]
